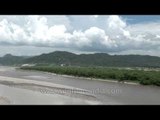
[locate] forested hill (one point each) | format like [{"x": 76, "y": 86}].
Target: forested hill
[
  {"x": 97, "y": 59},
  {"x": 9, "y": 59}
]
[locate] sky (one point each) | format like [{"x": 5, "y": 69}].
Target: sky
[{"x": 114, "y": 34}]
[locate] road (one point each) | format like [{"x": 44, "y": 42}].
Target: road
[{"x": 108, "y": 93}]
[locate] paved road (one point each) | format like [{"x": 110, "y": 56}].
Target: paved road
[{"x": 106, "y": 92}]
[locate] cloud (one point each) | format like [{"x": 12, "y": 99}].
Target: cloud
[
  {"x": 60, "y": 32},
  {"x": 37, "y": 33}
]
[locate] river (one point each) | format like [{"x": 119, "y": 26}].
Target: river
[{"x": 108, "y": 93}]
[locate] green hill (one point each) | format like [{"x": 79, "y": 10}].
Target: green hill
[
  {"x": 97, "y": 59},
  {"x": 9, "y": 59}
]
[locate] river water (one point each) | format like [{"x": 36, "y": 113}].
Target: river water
[{"x": 109, "y": 93}]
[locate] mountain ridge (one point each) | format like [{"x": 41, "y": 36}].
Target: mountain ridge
[{"x": 94, "y": 59}]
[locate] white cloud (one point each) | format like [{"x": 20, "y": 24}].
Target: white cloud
[
  {"x": 96, "y": 16},
  {"x": 117, "y": 36},
  {"x": 98, "y": 36},
  {"x": 40, "y": 34},
  {"x": 4, "y": 30},
  {"x": 115, "y": 22}
]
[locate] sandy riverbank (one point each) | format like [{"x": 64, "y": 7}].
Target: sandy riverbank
[{"x": 22, "y": 91}]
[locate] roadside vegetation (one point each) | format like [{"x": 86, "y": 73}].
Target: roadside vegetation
[{"x": 133, "y": 75}]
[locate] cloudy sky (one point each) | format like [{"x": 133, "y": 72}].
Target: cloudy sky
[{"x": 113, "y": 34}]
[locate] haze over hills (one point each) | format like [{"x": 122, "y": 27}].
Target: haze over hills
[{"x": 96, "y": 59}]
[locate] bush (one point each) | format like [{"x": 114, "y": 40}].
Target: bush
[
  {"x": 143, "y": 77},
  {"x": 145, "y": 82}
]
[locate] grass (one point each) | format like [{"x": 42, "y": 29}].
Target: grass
[{"x": 140, "y": 76}]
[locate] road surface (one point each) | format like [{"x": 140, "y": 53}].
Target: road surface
[{"x": 84, "y": 91}]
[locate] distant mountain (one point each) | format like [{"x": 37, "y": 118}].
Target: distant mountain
[
  {"x": 57, "y": 57},
  {"x": 9, "y": 59},
  {"x": 97, "y": 59}
]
